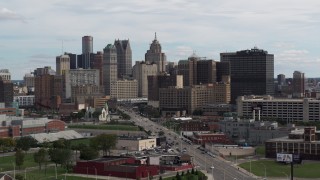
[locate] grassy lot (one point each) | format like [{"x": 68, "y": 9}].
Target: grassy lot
[
  {"x": 189, "y": 176},
  {"x": 106, "y": 127},
  {"x": 8, "y": 161},
  {"x": 274, "y": 169},
  {"x": 80, "y": 141},
  {"x": 260, "y": 150},
  {"x": 50, "y": 175}
]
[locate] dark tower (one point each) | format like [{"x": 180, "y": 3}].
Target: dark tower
[
  {"x": 124, "y": 57},
  {"x": 252, "y": 72}
]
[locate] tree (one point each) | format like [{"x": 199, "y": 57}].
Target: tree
[
  {"x": 19, "y": 155},
  {"x": 25, "y": 143},
  {"x": 41, "y": 157},
  {"x": 192, "y": 171},
  {"x": 19, "y": 177},
  {"x": 60, "y": 156},
  {"x": 88, "y": 153},
  {"x": 104, "y": 142},
  {"x": 7, "y": 144},
  {"x": 177, "y": 175},
  {"x": 62, "y": 144},
  {"x": 182, "y": 173},
  {"x": 160, "y": 178}
]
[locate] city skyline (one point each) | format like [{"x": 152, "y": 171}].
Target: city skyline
[{"x": 31, "y": 36}]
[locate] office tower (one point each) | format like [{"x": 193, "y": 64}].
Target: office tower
[
  {"x": 190, "y": 98},
  {"x": 48, "y": 91},
  {"x": 96, "y": 63},
  {"x": 6, "y": 92},
  {"x": 298, "y": 84},
  {"x": 124, "y": 89},
  {"x": 87, "y": 44},
  {"x": 140, "y": 71},
  {"x": 5, "y": 74},
  {"x": 154, "y": 55},
  {"x": 110, "y": 73},
  {"x": 82, "y": 83},
  {"x": 83, "y": 60},
  {"x": 44, "y": 70},
  {"x": 223, "y": 71},
  {"x": 161, "y": 81},
  {"x": 29, "y": 80},
  {"x": 73, "y": 60},
  {"x": 252, "y": 72},
  {"x": 197, "y": 70},
  {"x": 281, "y": 78},
  {"x": 124, "y": 58},
  {"x": 172, "y": 68},
  {"x": 62, "y": 64},
  {"x": 188, "y": 69}
]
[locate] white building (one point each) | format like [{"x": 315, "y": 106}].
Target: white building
[
  {"x": 289, "y": 110},
  {"x": 24, "y": 100}
]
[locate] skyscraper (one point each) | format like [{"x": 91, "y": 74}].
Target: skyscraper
[
  {"x": 96, "y": 63},
  {"x": 110, "y": 74},
  {"x": 281, "y": 78},
  {"x": 298, "y": 84},
  {"x": 84, "y": 60},
  {"x": 141, "y": 70},
  {"x": 124, "y": 57},
  {"x": 6, "y": 92},
  {"x": 252, "y": 72},
  {"x": 154, "y": 55},
  {"x": 87, "y": 44},
  {"x": 62, "y": 64}
]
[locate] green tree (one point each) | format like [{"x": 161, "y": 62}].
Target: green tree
[
  {"x": 19, "y": 177},
  {"x": 62, "y": 144},
  {"x": 61, "y": 156},
  {"x": 88, "y": 153},
  {"x": 160, "y": 178},
  {"x": 19, "y": 158},
  {"x": 177, "y": 175},
  {"x": 41, "y": 157},
  {"x": 25, "y": 143},
  {"x": 182, "y": 173},
  {"x": 104, "y": 142},
  {"x": 7, "y": 144},
  {"x": 192, "y": 171}
]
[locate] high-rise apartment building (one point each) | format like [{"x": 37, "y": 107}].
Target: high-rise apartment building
[
  {"x": 141, "y": 70},
  {"x": 252, "y": 72},
  {"x": 124, "y": 58},
  {"x": 298, "y": 84},
  {"x": 155, "y": 55},
  {"x": 110, "y": 73},
  {"x": 62, "y": 64},
  {"x": 48, "y": 91}
]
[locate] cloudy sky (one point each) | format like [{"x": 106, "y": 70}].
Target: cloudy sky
[{"x": 32, "y": 31}]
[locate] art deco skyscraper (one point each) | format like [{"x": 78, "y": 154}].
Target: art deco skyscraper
[
  {"x": 110, "y": 74},
  {"x": 252, "y": 72},
  {"x": 124, "y": 57},
  {"x": 154, "y": 55}
]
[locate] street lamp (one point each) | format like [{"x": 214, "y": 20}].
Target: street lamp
[
  {"x": 265, "y": 171},
  {"x": 212, "y": 167}
]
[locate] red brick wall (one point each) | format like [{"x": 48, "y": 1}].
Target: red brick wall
[
  {"x": 55, "y": 125},
  {"x": 4, "y": 132},
  {"x": 15, "y": 131},
  {"x": 32, "y": 130}
]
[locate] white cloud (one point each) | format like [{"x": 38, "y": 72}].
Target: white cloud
[{"x": 6, "y": 14}]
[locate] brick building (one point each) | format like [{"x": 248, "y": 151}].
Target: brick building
[
  {"x": 203, "y": 138},
  {"x": 116, "y": 166}
]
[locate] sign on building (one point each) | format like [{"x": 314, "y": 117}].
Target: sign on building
[{"x": 281, "y": 157}]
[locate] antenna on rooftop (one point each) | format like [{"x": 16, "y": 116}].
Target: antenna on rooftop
[{"x": 62, "y": 47}]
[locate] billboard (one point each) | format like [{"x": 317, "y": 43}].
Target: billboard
[{"x": 281, "y": 157}]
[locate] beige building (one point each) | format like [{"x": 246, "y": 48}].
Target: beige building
[
  {"x": 62, "y": 64},
  {"x": 194, "y": 97},
  {"x": 124, "y": 89},
  {"x": 79, "y": 81},
  {"x": 288, "y": 110},
  {"x": 141, "y": 71},
  {"x": 135, "y": 144}
]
